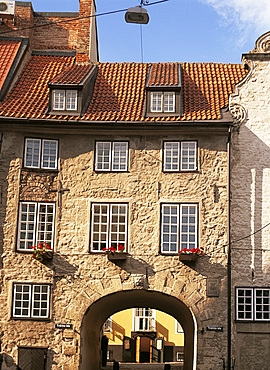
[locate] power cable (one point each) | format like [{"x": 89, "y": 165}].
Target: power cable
[{"x": 77, "y": 19}]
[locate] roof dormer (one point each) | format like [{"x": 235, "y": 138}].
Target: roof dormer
[
  {"x": 163, "y": 90},
  {"x": 71, "y": 90}
]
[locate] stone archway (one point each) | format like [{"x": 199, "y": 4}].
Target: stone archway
[{"x": 100, "y": 310}]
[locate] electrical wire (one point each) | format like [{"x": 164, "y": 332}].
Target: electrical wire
[{"x": 76, "y": 19}]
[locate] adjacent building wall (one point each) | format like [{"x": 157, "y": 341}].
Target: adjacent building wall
[{"x": 250, "y": 197}]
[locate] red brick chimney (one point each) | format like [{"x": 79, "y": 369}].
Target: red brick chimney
[{"x": 87, "y": 50}]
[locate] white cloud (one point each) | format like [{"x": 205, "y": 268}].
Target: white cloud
[{"x": 245, "y": 14}]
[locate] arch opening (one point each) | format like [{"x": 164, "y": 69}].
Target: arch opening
[{"x": 106, "y": 306}]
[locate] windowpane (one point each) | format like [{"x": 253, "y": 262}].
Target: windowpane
[
  {"x": 120, "y": 156},
  {"x": 262, "y": 304},
  {"x": 21, "y": 300},
  {"x": 171, "y": 156},
  {"x": 244, "y": 310},
  {"x": 188, "y": 155},
  {"x": 144, "y": 319},
  {"x": 49, "y": 154},
  {"x": 118, "y": 220},
  {"x": 156, "y": 101},
  {"x": 169, "y": 102},
  {"x": 45, "y": 224},
  {"x": 100, "y": 217},
  {"x": 32, "y": 153},
  {"x": 59, "y": 100},
  {"x": 103, "y": 156},
  {"x": 188, "y": 226},
  {"x": 109, "y": 226},
  {"x": 40, "y": 301},
  {"x": 71, "y": 96},
  {"x": 170, "y": 225},
  {"x": 27, "y": 225}
]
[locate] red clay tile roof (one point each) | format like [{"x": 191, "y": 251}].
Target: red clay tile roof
[
  {"x": 72, "y": 75},
  {"x": 119, "y": 93},
  {"x": 30, "y": 95},
  {"x": 8, "y": 51},
  {"x": 164, "y": 74}
]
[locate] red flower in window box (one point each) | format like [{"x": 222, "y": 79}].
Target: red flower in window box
[
  {"x": 42, "y": 252},
  {"x": 190, "y": 254},
  {"x": 117, "y": 253}
]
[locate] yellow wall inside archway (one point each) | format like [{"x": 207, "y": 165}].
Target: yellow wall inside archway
[{"x": 165, "y": 327}]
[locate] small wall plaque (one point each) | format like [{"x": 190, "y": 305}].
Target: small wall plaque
[
  {"x": 63, "y": 326},
  {"x": 212, "y": 287},
  {"x": 214, "y": 328}
]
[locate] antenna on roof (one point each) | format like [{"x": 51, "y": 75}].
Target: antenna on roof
[{"x": 137, "y": 14}]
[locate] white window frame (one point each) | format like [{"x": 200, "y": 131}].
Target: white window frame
[
  {"x": 192, "y": 164},
  {"x": 175, "y": 231},
  {"x": 66, "y": 105},
  {"x": 111, "y": 164},
  {"x": 108, "y": 230},
  {"x": 178, "y": 328},
  {"x": 57, "y": 104},
  {"x": 107, "y": 326},
  {"x": 41, "y": 154},
  {"x": 170, "y": 159},
  {"x": 31, "y": 301},
  {"x": 35, "y": 229},
  {"x": 175, "y": 162},
  {"x": 178, "y": 355},
  {"x": 166, "y": 107},
  {"x": 253, "y": 305},
  {"x": 146, "y": 318},
  {"x": 73, "y": 95},
  {"x": 157, "y": 104}
]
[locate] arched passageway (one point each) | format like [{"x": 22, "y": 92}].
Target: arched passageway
[{"x": 100, "y": 310}]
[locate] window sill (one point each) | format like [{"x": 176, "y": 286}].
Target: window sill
[{"x": 35, "y": 169}]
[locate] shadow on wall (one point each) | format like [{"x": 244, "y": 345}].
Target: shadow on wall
[{"x": 7, "y": 363}]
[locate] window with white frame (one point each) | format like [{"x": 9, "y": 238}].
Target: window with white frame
[
  {"x": 178, "y": 328},
  {"x": 31, "y": 300},
  {"x": 144, "y": 319},
  {"x": 163, "y": 102},
  {"x": 253, "y": 304},
  {"x": 36, "y": 224},
  {"x": 41, "y": 153},
  {"x": 65, "y": 100},
  {"x": 179, "y": 227},
  {"x": 109, "y": 226},
  {"x": 179, "y": 356},
  {"x": 111, "y": 156},
  {"x": 180, "y": 156},
  {"x": 107, "y": 326}
]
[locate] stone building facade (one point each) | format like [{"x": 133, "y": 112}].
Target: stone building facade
[
  {"x": 250, "y": 212},
  {"x": 97, "y": 155}
]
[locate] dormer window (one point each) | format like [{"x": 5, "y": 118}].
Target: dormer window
[
  {"x": 164, "y": 91},
  {"x": 65, "y": 100},
  {"x": 163, "y": 101},
  {"x": 71, "y": 90}
]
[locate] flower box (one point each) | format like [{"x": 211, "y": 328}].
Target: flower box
[
  {"x": 48, "y": 255},
  {"x": 42, "y": 252},
  {"x": 117, "y": 256},
  {"x": 188, "y": 257}
]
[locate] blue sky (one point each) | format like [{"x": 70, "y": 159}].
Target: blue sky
[{"x": 179, "y": 30}]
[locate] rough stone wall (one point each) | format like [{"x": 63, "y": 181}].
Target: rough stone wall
[
  {"x": 78, "y": 277},
  {"x": 250, "y": 196}
]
